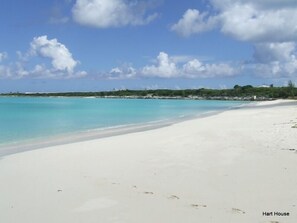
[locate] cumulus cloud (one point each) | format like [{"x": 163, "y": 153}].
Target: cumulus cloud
[
  {"x": 123, "y": 72},
  {"x": 173, "y": 67},
  {"x": 42, "y": 71},
  {"x": 111, "y": 13},
  {"x": 268, "y": 24},
  {"x": 196, "y": 69},
  {"x": 194, "y": 22},
  {"x": 45, "y": 51},
  {"x": 165, "y": 67},
  {"x": 60, "y": 56},
  {"x": 246, "y": 20}
]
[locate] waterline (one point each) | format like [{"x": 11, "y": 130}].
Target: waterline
[
  {"x": 44, "y": 121},
  {"x": 33, "y": 144}
]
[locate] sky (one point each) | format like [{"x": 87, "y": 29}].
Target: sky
[{"x": 96, "y": 45}]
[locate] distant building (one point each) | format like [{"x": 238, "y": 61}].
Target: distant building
[{"x": 264, "y": 85}]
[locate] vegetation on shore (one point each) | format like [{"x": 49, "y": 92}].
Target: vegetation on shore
[{"x": 246, "y": 92}]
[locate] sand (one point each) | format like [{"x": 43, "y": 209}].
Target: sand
[{"x": 229, "y": 167}]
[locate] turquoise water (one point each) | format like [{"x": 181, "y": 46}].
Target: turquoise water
[{"x": 29, "y": 118}]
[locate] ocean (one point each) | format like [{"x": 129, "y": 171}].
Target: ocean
[{"x": 35, "y": 118}]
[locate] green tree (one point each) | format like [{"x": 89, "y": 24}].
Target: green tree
[{"x": 291, "y": 88}]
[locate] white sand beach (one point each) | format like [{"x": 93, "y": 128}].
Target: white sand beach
[{"x": 226, "y": 168}]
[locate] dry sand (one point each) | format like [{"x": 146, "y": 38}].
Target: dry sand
[{"x": 225, "y": 168}]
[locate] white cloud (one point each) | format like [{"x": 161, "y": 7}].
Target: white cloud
[
  {"x": 270, "y": 25},
  {"x": 40, "y": 71},
  {"x": 124, "y": 72},
  {"x": 63, "y": 66},
  {"x": 246, "y": 20},
  {"x": 194, "y": 22},
  {"x": 197, "y": 69},
  {"x": 165, "y": 67},
  {"x": 60, "y": 56},
  {"x": 193, "y": 67},
  {"x": 111, "y": 13},
  {"x": 3, "y": 56}
]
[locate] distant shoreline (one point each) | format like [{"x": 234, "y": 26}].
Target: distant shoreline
[
  {"x": 152, "y": 98},
  {"x": 239, "y": 93}
]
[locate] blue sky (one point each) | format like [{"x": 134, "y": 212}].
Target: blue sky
[{"x": 93, "y": 45}]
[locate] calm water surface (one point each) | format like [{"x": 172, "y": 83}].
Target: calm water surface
[{"x": 23, "y": 118}]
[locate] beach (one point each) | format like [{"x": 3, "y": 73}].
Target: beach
[{"x": 236, "y": 166}]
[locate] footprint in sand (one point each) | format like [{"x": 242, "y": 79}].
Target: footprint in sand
[
  {"x": 236, "y": 210},
  {"x": 198, "y": 205},
  {"x": 173, "y": 197}
]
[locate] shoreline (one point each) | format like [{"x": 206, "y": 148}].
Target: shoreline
[
  {"x": 236, "y": 166},
  {"x": 198, "y": 98},
  {"x": 7, "y": 149}
]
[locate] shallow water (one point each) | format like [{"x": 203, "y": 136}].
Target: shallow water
[{"x": 29, "y": 118}]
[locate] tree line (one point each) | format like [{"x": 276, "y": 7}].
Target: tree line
[{"x": 247, "y": 91}]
